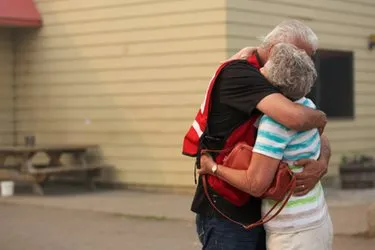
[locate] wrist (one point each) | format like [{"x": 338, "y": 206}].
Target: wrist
[
  {"x": 324, "y": 167},
  {"x": 323, "y": 161},
  {"x": 214, "y": 169},
  {"x": 323, "y": 119}
]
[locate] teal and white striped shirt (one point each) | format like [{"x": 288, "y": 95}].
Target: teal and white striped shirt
[{"x": 277, "y": 141}]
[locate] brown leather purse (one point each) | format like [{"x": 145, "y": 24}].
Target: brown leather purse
[{"x": 280, "y": 190}]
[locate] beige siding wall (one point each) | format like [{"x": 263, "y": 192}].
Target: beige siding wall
[
  {"x": 6, "y": 88},
  {"x": 343, "y": 25},
  {"x": 126, "y": 74},
  {"x": 129, "y": 75}
]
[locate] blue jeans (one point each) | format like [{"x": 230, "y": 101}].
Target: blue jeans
[{"x": 221, "y": 234}]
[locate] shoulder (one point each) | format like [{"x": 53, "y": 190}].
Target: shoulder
[
  {"x": 243, "y": 76},
  {"x": 272, "y": 138},
  {"x": 266, "y": 122},
  {"x": 268, "y": 125},
  {"x": 240, "y": 67},
  {"x": 242, "y": 86}
]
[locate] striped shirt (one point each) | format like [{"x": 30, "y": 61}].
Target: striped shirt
[{"x": 277, "y": 141}]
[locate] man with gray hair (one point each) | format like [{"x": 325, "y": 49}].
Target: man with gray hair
[
  {"x": 237, "y": 94},
  {"x": 290, "y": 31}
]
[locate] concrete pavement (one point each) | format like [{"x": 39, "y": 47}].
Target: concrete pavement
[
  {"x": 348, "y": 209},
  {"x": 45, "y": 228}
]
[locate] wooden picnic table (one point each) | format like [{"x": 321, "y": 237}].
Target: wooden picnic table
[{"x": 37, "y": 174}]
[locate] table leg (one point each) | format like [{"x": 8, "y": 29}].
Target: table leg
[
  {"x": 27, "y": 164},
  {"x": 37, "y": 188},
  {"x": 27, "y": 169},
  {"x": 5, "y": 173},
  {"x": 54, "y": 158},
  {"x": 88, "y": 175},
  {"x": 3, "y": 158},
  {"x": 90, "y": 180}
]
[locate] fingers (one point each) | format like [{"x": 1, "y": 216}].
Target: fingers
[
  {"x": 206, "y": 156},
  {"x": 301, "y": 177},
  {"x": 243, "y": 53},
  {"x": 302, "y": 162},
  {"x": 234, "y": 57},
  {"x": 304, "y": 185},
  {"x": 202, "y": 171},
  {"x": 301, "y": 190},
  {"x": 206, "y": 160},
  {"x": 301, "y": 193},
  {"x": 300, "y": 182},
  {"x": 298, "y": 189},
  {"x": 246, "y": 52},
  {"x": 308, "y": 176}
]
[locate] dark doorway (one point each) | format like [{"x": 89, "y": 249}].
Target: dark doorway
[{"x": 334, "y": 90}]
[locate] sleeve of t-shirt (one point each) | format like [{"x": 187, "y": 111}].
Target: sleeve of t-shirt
[
  {"x": 309, "y": 103},
  {"x": 272, "y": 138},
  {"x": 243, "y": 86}
]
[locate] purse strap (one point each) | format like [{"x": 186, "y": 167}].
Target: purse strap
[
  {"x": 204, "y": 151},
  {"x": 264, "y": 219}
]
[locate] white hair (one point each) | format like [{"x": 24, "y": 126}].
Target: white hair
[
  {"x": 291, "y": 31},
  {"x": 291, "y": 70}
]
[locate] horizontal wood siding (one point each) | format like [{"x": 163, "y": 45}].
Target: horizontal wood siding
[
  {"x": 6, "y": 88},
  {"x": 128, "y": 75},
  {"x": 343, "y": 25}
]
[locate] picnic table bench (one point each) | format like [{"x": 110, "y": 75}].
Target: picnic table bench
[{"x": 38, "y": 174}]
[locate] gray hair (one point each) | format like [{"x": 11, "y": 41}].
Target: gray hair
[
  {"x": 291, "y": 70},
  {"x": 291, "y": 31}
]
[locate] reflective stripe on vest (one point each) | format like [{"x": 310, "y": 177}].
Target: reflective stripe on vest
[
  {"x": 191, "y": 140},
  {"x": 245, "y": 132}
]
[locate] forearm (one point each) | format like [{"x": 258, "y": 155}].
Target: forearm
[
  {"x": 325, "y": 153},
  {"x": 236, "y": 178},
  {"x": 311, "y": 118},
  {"x": 244, "y": 180},
  {"x": 243, "y": 53},
  {"x": 291, "y": 115}
]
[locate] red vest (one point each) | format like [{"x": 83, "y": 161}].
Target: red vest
[{"x": 245, "y": 132}]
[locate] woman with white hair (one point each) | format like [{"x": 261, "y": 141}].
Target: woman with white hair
[{"x": 304, "y": 223}]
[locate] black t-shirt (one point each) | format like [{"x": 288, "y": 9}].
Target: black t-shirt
[{"x": 237, "y": 91}]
